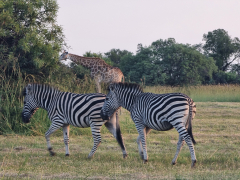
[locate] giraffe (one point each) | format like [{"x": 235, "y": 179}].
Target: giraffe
[{"x": 100, "y": 70}]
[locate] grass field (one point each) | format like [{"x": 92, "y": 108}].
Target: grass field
[
  {"x": 202, "y": 93},
  {"x": 216, "y": 129}
]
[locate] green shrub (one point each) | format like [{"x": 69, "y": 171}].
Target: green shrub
[{"x": 11, "y": 99}]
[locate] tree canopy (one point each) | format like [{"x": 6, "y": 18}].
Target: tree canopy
[
  {"x": 115, "y": 56},
  {"x": 167, "y": 62},
  {"x": 30, "y": 36},
  {"x": 223, "y": 49}
]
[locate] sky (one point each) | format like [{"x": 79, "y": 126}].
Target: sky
[{"x": 101, "y": 25}]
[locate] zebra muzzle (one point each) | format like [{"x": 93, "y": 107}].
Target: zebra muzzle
[
  {"x": 25, "y": 119},
  {"x": 103, "y": 116}
]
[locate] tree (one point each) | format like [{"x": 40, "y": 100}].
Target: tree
[
  {"x": 140, "y": 68},
  {"x": 115, "y": 56},
  {"x": 166, "y": 62},
  {"x": 90, "y": 54},
  {"x": 235, "y": 68},
  {"x": 223, "y": 49},
  {"x": 30, "y": 36},
  {"x": 182, "y": 64}
]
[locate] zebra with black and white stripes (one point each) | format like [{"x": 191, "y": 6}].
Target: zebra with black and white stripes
[
  {"x": 149, "y": 111},
  {"x": 64, "y": 109}
]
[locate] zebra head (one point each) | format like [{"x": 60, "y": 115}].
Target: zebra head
[
  {"x": 30, "y": 104},
  {"x": 111, "y": 103},
  {"x": 64, "y": 56}
]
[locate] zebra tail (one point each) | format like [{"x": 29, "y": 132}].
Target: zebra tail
[{"x": 192, "y": 109}]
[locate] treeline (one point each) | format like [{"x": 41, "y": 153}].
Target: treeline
[
  {"x": 31, "y": 40},
  {"x": 166, "y": 62}
]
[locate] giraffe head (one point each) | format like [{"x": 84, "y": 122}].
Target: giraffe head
[{"x": 64, "y": 56}]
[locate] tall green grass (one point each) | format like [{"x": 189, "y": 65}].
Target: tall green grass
[
  {"x": 202, "y": 93},
  {"x": 11, "y": 99}
]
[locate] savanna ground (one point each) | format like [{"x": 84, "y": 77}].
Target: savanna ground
[{"x": 216, "y": 129}]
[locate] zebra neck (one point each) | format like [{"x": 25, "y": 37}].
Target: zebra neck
[
  {"x": 48, "y": 98},
  {"x": 128, "y": 101}
]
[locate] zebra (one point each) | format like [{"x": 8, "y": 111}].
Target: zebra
[
  {"x": 65, "y": 109},
  {"x": 149, "y": 111}
]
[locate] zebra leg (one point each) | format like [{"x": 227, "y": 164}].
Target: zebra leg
[
  {"x": 66, "y": 138},
  {"x": 179, "y": 147},
  {"x": 96, "y": 139},
  {"x": 187, "y": 138},
  {"x": 51, "y": 129},
  {"x": 147, "y": 129},
  {"x": 142, "y": 136},
  {"x": 113, "y": 126},
  {"x": 140, "y": 146}
]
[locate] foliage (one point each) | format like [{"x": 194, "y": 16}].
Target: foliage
[
  {"x": 182, "y": 64},
  {"x": 222, "y": 77},
  {"x": 235, "y": 68},
  {"x": 90, "y": 54},
  {"x": 30, "y": 36},
  {"x": 140, "y": 68},
  {"x": 223, "y": 49},
  {"x": 167, "y": 62},
  {"x": 115, "y": 56},
  {"x": 11, "y": 100}
]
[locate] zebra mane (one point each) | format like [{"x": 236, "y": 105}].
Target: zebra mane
[
  {"x": 126, "y": 85},
  {"x": 40, "y": 86}
]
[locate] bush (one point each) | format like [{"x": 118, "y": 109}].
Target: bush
[
  {"x": 222, "y": 77},
  {"x": 11, "y": 99}
]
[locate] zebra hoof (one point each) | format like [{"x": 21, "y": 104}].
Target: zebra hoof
[
  {"x": 90, "y": 157},
  {"x": 173, "y": 163},
  {"x": 66, "y": 154},
  {"x": 52, "y": 153},
  {"x": 193, "y": 163},
  {"x": 145, "y": 161},
  {"x": 125, "y": 156}
]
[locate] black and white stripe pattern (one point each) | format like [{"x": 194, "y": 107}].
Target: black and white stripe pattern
[
  {"x": 149, "y": 111},
  {"x": 64, "y": 109}
]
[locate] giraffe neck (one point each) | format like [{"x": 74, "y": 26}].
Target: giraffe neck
[{"x": 88, "y": 62}]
